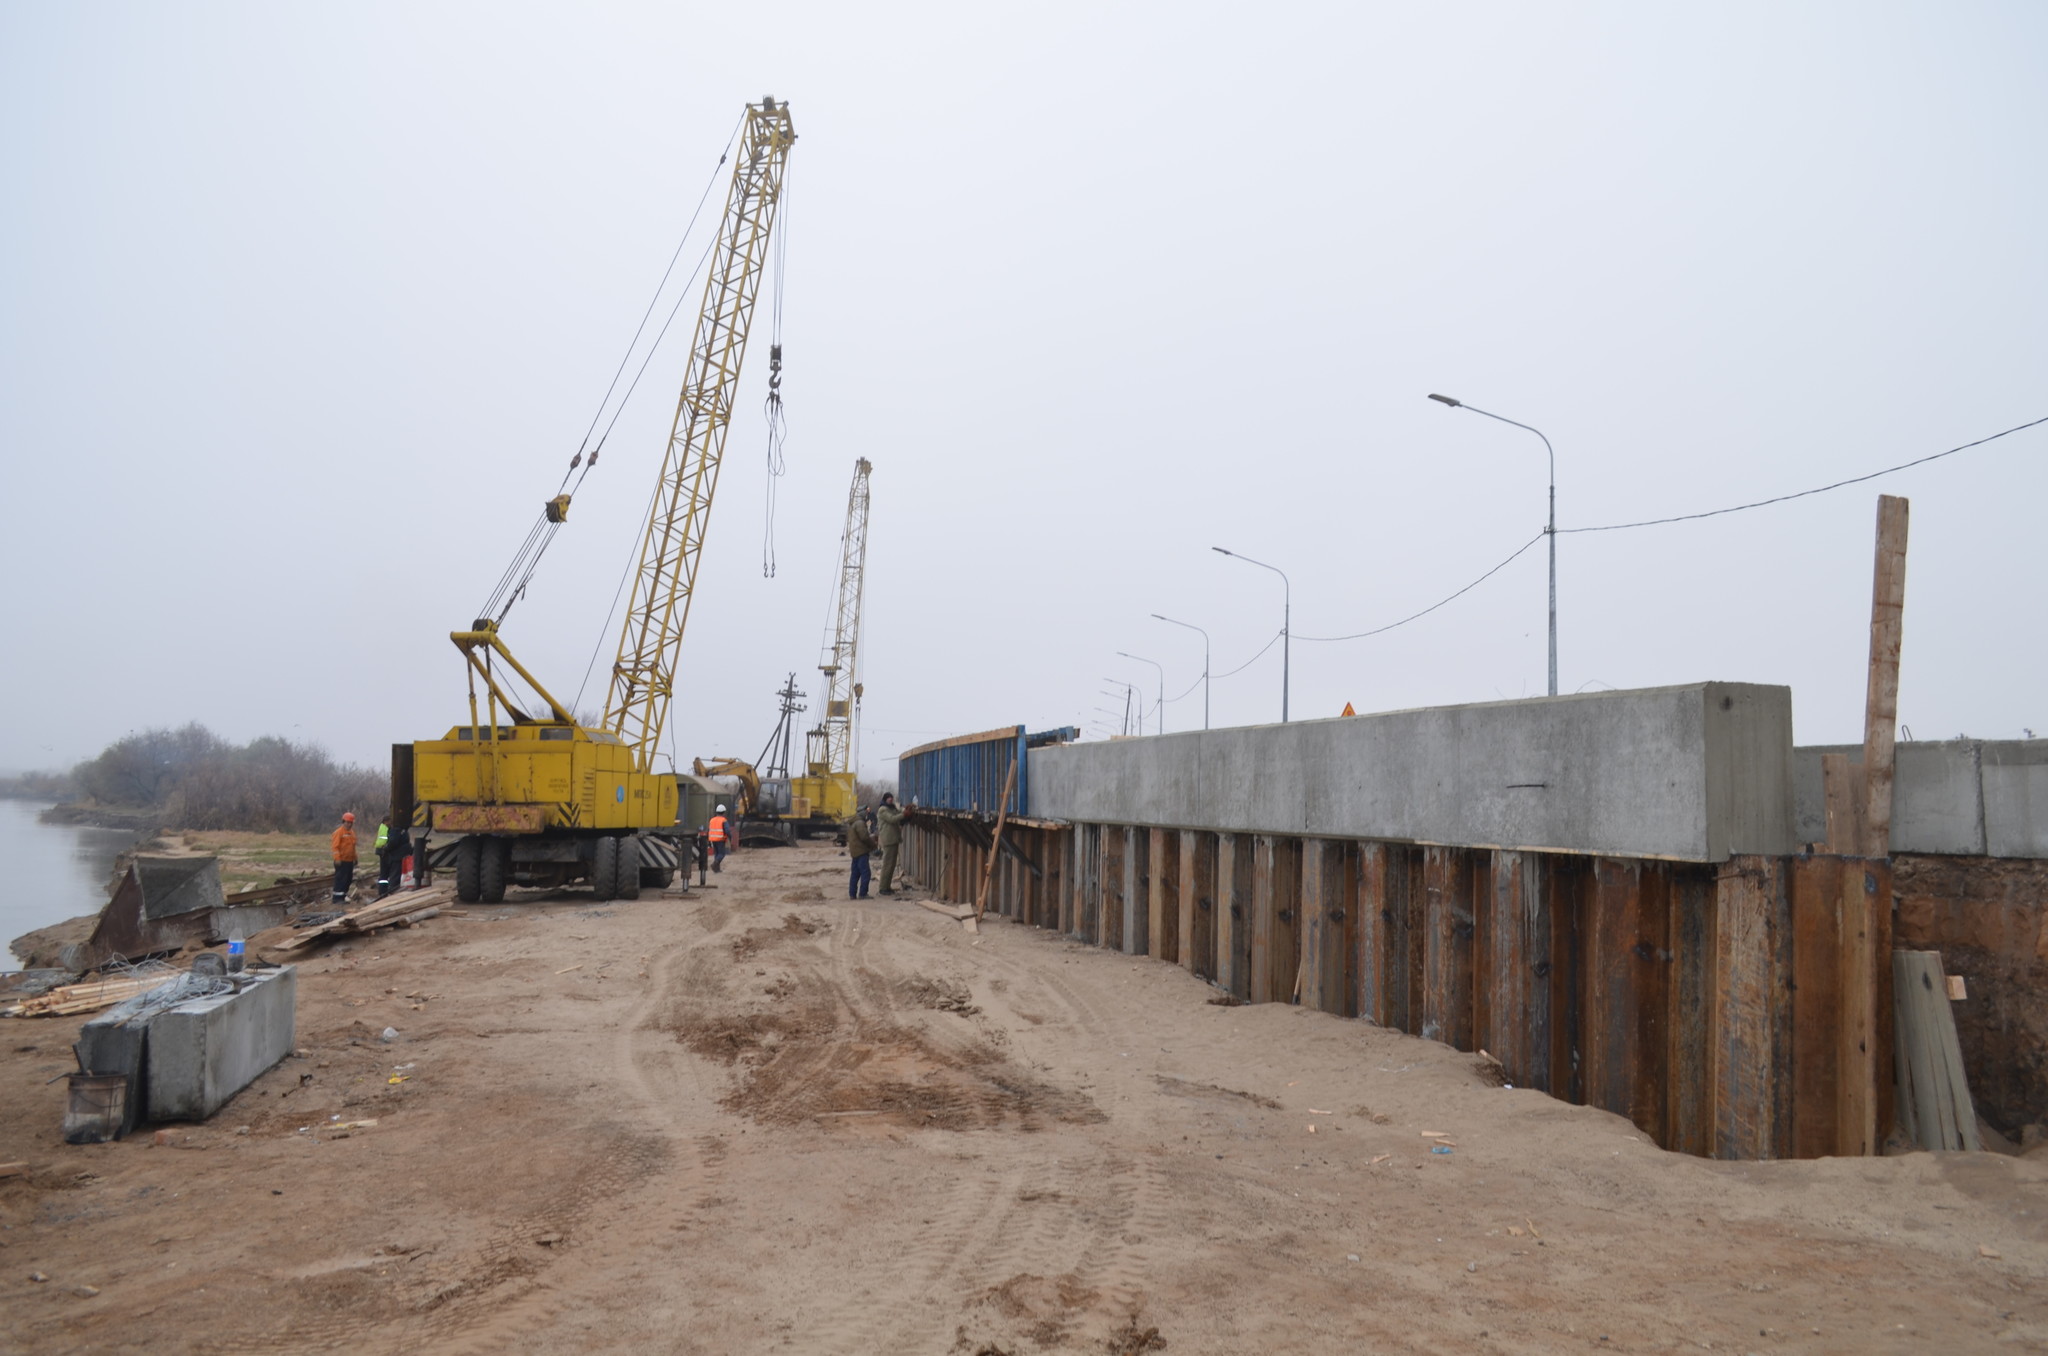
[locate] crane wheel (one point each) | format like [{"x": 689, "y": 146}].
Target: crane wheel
[
  {"x": 628, "y": 849},
  {"x": 494, "y": 870},
  {"x": 604, "y": 869},
  {"x": 469, "y": 870}
]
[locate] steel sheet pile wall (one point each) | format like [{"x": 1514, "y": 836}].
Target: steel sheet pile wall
[
  {"x": 1630, "y": 941},
  {"x": 1732, "y": 1010}
]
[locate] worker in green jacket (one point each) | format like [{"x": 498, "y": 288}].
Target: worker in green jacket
[{"x": 890, "y": 820}]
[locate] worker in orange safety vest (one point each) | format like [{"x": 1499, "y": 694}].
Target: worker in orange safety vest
[
  {"x": 344, "y": 844},
  {"x": 721, "y": 838}
]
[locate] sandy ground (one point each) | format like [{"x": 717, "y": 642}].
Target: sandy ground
[{"x": 764, "y": 1119}]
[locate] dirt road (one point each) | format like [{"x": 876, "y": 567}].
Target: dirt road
[{"x": 765, "y": 1119}]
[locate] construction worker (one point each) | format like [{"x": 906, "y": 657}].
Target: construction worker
[
  {"x": 860, "y": 841},
  {"x": 891, "y": 836},
  {"x": 344, "y": 844},
  {"x": 720, "y": 833},
  {"x": 392, "y": 846}
]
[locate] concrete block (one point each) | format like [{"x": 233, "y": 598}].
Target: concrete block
[
  {"x": 1694, "y": 773},
  {"x": 203, "y": 1052},
  {"x": 2015, "y": 779},
  {"x": 1937, "y": 798}
]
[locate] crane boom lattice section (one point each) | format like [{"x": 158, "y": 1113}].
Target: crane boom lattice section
[
  {"x": 665, "y": 578},
  {"x": 832, "y": 751}
]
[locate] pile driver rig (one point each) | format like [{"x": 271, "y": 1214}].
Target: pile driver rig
[{"x": 540, "y": 799}]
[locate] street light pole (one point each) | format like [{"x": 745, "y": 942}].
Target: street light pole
[
  {"x": 1550, "y": 531},
  {"x": 1205, "y": 661},
  {"x": 1286, "y": 620},
  {"x": 1162, "y": 684}
]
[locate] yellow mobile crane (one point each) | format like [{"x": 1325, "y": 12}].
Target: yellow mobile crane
[{"x": 541, "y": 799}]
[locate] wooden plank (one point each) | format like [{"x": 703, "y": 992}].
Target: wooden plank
[
  {"x": 1235, "y": 857},
  {"x": 1816, "y": 886},
  {"x": 1880, "y": 873},
  {"x": 1370, "y": 966},
  {"x": 1137, "y": 888},
  {"x": 1881, "y": 699},
  {"x": 1747, "y": 987},
  {"x": 1110, "y": 916},
  {"x": 1513, "y": 966},
  {"x": 1447, "y": 945},
  {"x": 1002, "y": 817},
  {"x": 1842, "y": 798},
  {"x": 1263, "y": 909},
  {"x": 1195, "y": 904},
  {"x": 1856, "y": 1031},
  {"x": 1325, "y": 939},
  {"x": 1276, "y": 910},
  {"x": 1690, "y": 1117},
  {"x": 1163, "y": 899}
]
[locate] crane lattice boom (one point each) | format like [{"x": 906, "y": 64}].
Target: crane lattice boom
[
  {"x": 831, "y": 744},
  {"x": 664, "y": 580}
]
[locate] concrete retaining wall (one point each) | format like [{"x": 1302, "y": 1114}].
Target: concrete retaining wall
[
  {"x": 204, "y": 1052},
  {"x": 1959, "y": 797},
  {"x": 1694, "y": 773}
]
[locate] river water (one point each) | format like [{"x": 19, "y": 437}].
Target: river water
[{"x": 53, "y": 871}]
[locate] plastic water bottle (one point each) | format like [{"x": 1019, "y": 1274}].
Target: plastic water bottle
[{"x": 236, "y": 949}]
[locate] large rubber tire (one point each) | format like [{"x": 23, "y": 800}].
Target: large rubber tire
[
  {"x": 656, "y": 878},
  {"x": 629, "y": 866},
  {"x": 604, "y": 869},
  {"x": 495, "y": 870},
  {"x": 468, "y": 870}
]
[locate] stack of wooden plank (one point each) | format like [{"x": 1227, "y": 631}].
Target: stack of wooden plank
[
  {"x": 102, "y": 991},
  {"x": 1934, "y": 1095},
  {"x": 410, "y": 907}
]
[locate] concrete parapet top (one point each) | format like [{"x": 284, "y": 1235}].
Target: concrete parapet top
[{"x": 1695, "y": 773}]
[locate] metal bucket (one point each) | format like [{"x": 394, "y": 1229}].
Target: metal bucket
[{"x": 98, "y": 1104}]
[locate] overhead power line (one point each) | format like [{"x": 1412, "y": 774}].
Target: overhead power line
[{"x": 1822, "y": 489}]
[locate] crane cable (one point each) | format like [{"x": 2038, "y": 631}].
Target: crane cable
[
  {"x": 512, "y": 584},
  {"x": 771, "y": 406}
]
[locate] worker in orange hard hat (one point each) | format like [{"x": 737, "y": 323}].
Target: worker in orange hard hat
[{"x": 344, "y": 857}]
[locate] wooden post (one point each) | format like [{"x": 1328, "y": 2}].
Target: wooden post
[
  {"x": 1276, "y": 906},
  {"x": 1516, "y": 969},
  {"x": 1751, "y": 1017},
  {"x": 1109, "y": 919},
  {"x": 1163, "y": 898},
  {"x": 1446, "y": 1007},
  {"x": 1326, "y": 936},
  {"x": 1198, "y": 903},
  {"x": 995, "y": 844},
  {"x": 1137, "y": 889},
  {"x": 1234, "y": 909},
  {"x": 1881, "y": 703}
]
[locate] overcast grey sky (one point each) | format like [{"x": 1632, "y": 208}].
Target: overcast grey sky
[{"x": 306, "y": 307}]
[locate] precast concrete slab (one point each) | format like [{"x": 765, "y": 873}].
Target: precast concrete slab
[
  {"x": 1955, "y": 797},
  {"x": 2015, "y": 774},
  {"x": 1694, "y": 773},
  {"x": 203, "y": 1052}
]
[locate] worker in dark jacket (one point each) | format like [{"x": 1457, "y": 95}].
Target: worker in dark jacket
[
  {"x": 860, "y": 841},
  {"x": 394, "y": 843},
  {"x": 891, "y": 821}
]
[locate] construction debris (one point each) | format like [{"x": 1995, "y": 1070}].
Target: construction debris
[
  {"x": 69, "y": 1000},
  {"x": 412, "y": 907}
]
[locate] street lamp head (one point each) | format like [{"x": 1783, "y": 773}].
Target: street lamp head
[{"x": 1446, "y": 400}]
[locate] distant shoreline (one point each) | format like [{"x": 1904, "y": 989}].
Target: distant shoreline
[{"x": 100, "y": 816}]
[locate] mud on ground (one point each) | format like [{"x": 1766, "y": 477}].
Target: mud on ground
[{"x": 763, "y": 1119}]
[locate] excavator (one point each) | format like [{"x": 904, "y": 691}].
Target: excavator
[{"x": 530, "y": 795}]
